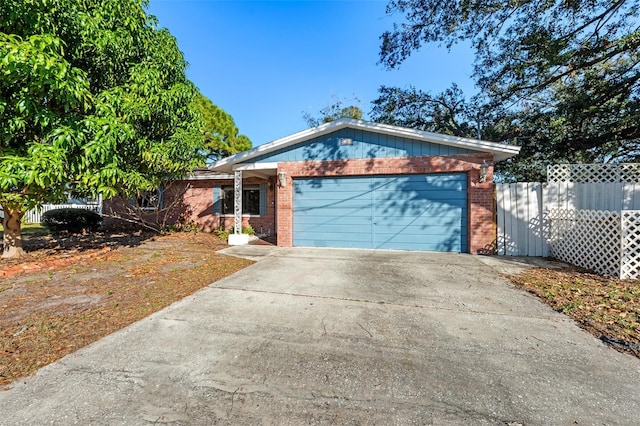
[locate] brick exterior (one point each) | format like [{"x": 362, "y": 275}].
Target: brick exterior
[
  {"x": 480, "y": 195},
  {"x": 199, "y": 197},
  {"x": 192, "y": 200}
]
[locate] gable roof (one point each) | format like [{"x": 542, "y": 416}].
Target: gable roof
[{"x": 499, "y": 151}]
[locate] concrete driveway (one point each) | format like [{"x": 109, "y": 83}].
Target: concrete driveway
[{"x": 310, "y": 336}]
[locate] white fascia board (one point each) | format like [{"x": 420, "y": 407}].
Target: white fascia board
[
  {"x": 210, "y": 177},
  {"x": 255, "y": 166},
  {"x": 499, "y": 151}
]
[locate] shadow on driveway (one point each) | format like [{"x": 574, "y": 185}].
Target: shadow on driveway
[{"x": 309, "y": 336}]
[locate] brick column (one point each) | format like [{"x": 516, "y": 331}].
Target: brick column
[{"x": 284, "y": 208}]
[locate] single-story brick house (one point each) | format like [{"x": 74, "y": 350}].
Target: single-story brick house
[{"x": 353, "y": 183}]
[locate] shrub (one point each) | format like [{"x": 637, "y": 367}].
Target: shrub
[
  {"x": 222, "y": 233},
  {"x": 71, "y": 220},
  {"x": 184, "y": 224}
]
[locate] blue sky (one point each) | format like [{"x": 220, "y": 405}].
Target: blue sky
[{"x": 265, "y": 62}]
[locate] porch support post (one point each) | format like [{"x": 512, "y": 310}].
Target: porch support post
[{"x": 237, "y": 202}]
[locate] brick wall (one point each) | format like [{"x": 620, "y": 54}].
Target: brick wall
[
  {"x": 193, "y": 200},
  {"x": 480, "y": 195},
  {"x": 195, "y": 197}
]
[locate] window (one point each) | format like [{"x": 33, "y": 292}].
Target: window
[
  {"x": 254, "y": 200},
  {"x": 149, "y": 200},
  {"x": 250, "y": 200}
]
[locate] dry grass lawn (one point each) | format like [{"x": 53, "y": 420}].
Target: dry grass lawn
[
  {"x": 47, "y": 315},
  {"x": 607, "y": 307}
]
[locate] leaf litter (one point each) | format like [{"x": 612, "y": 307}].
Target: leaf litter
[
  {"x": 47, "y": 315},
  {"x": 605, "y": 306}
]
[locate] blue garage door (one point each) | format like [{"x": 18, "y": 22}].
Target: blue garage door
[{"x": 406, "y": 212}]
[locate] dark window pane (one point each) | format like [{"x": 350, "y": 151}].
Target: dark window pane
[
  {"x": 227, "y": 200},
  {"x": 250, "y": 201},
  {"x": 149, "y": 200}
]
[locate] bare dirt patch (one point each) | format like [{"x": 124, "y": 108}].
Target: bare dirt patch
[
  {"x": 607, "y": 307},
  {"x": 47, "y": 315}
]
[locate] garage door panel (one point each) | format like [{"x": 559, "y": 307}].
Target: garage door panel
[
  {"x": 437, "y": 244},
  {"x": 334, "y": 240},
  {"x": 416, "y": 212},
  {"x": 329, "y": 225},
  {"x": 451, "y": 245},
  {"x": 390, "y": 212},
  {"x": 358, "y": 209},
  {"x": 333, "y": 244},
  {"x": 341, "y": 228},
  {"x": 443, "y": 226},
  {"x": 326, "y": 236},
  {"x": 436, "y": 182},
  {"x": 319, "y": 219},
  {"x": 333, "y": 226},
  {"x": 333, "y": 184},
  {"x": 443, "y": 242},
  {"x": 432, "y": 239},
  {"x": 420, "y": 205},
  {"x": 414, "y": 188},
  {"x": 335, "y": 195},
  {"x": 420, "y": 196},
  {"x": 419, "y": 230},
  {"x": 334, "y": 203}
]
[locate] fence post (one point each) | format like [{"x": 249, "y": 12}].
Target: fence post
[{"x": 621, "y": 245}]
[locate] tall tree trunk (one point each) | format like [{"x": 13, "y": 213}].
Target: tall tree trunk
[{"x": 12, "y": 241}]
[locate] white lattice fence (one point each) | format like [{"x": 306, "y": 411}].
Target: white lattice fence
[
  {"x": 587, "y": 173},
  {"x": 604, "y": 241},
  {"x": 630, "y": 244}
]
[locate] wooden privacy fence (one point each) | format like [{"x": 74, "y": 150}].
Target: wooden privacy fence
[
  {"x": 522, "y": 225},
  {"x": 588, "y": 215}
]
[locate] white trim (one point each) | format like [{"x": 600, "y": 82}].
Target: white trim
[
  {"x": 222, "y": 176},
  {"x": 499, "y": 151},
  {"x": 255, "y": 166}
]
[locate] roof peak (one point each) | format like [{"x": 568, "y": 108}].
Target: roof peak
[{"x": 498, "y": 150}]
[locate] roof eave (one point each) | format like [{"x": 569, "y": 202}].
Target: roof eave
[
  {"x": 277, "y": 144},
  {"x": 499, "y": 151}
]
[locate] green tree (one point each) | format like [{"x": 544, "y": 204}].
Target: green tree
[
  {"x": 333, "y": 112},
  {"x": 567, "y": 72},
  {"x": 220, "y": 134},
  {"x": 447, "y": 112},
  {"x": 450, "y": 113},
  {"x": 93, "y": 99}
]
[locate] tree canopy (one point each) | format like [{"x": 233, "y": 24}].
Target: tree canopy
[
  {"x": 447, "y": 112},
  {"x": 219, "y": 131},
  {"x": 333, "y": 112},
  {"x": 567, "y": 72},
  {"x": 93, "y": 99}
]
